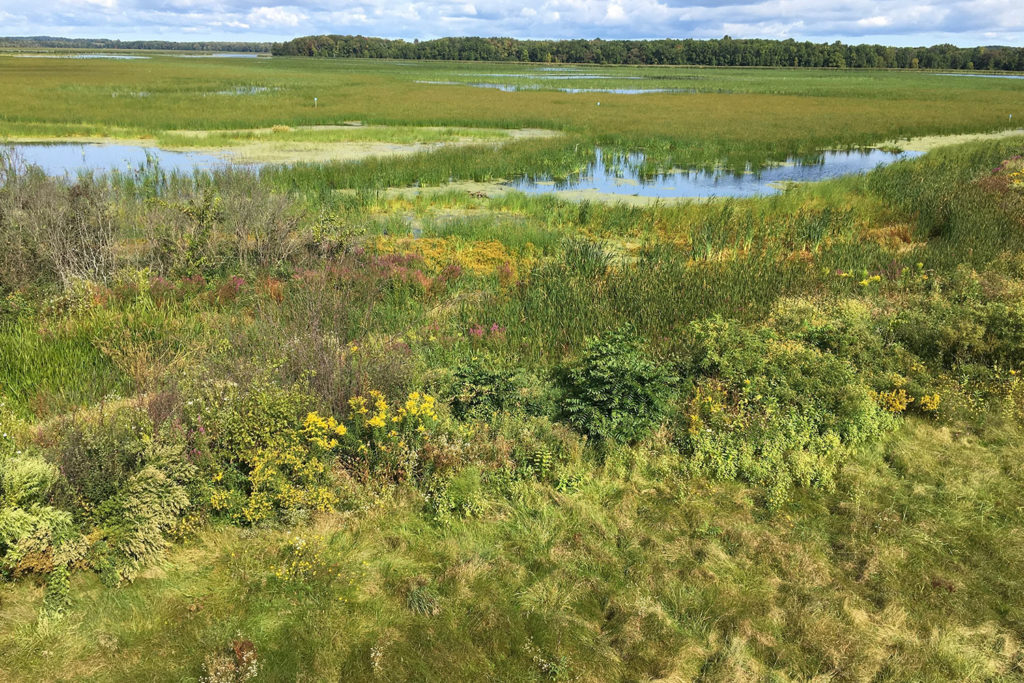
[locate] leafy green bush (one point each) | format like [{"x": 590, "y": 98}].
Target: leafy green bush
[
  {"x": 26, "y": 481},
  {"x": 229, "y": 421},
  {"x": 126, "y": 484},
  {"x": 258, "y": 456},
  {"x": 455, "y": 496},
  {"x": 481, "y": 386},
  {"x": 133, "y": 525},
  {"x": 772, "y": 411},
  {"x": 615, "y": 390},
  {"x": 34, "y": 537},
  {"x": 939, "y": 331},
  {"x": 290, "y": 475},
  {"x": 97, "y": 453}
]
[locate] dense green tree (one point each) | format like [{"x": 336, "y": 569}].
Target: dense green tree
[{"x": 726, "y": 51}]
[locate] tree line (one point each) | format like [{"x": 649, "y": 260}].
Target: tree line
[
  {"x": 107, "y": 44},
  {"x": 721, "y": 52}
]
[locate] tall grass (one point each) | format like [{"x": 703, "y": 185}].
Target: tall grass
[
  {"x": 563, "y": 559},
  {"x": 767, "y": 115}
]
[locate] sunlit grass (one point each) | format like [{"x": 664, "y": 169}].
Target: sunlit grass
[
  {"x": 317, "y": 276},
  {"x": 767, "y": 115}
]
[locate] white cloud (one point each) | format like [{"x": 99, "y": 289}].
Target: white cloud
[
  {"x": 874, "y": 22},
  {"x": 615, "y": 13},
  {"x": 963, "y": 22},
  {"x": 274, "y": 17}
]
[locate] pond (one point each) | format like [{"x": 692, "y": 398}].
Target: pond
[
  {"x": 245, "y": 90},
  {"x": 607, "y": 175},
  {"x": 80, "y": 56},
  {"x": 985, "y": 76},
  {"x": 561, "y": 77},
  {"x": 68, "y": 159},
  {"x": 226, "y": 55},
  {"x": 621, "y": 176},
  {"x": 512, "y": 87}
]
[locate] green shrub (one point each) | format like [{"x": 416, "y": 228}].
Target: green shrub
[
  {"x": 291, "y": 475},
  {"x": 41, "y": 540},
  {"x": 97, "y": 453},
  {"x": 127, "y": 485},
  {"x": 259, "y": 450},
  {"x": 615, "y": 390},
  {"x": 133, "y": 524},
  {"x": 770, "y": 411},
  {"x": 939, "y": 331},
  {"x": 25, "y": 481},
  {"x": 1004, "y": 333},
  {"x": 229, "y": 422},
  {"x": 456, "y": 496},
  {"x": 543, "y": 450},
  {"x": 848, "y": 329},
  {"x": 482, "y": 387}
]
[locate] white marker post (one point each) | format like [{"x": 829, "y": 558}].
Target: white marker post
[{"x": 314, "y": 103}]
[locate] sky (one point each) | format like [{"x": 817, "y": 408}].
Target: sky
[{"x": 889, "y": 22}]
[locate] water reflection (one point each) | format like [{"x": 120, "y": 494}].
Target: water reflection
[
  {"x": 67, "y": 159},
  {"x": 512, "y": 87},
  {"x": 985, "y": 76},
  {"x": 620, "y": 175}
]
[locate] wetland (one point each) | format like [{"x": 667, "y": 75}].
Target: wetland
[{"x": 358, "y": 376}]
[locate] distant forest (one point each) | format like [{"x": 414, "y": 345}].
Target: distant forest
[
  {"x": 105, "y": 44},
  {"x": 724, "y": 52}
]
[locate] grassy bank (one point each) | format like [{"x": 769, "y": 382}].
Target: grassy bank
[
  {"x": 296, "y": 424},
  {"x": 256, "y": 430},
  {"x": 735, "y": 117}
]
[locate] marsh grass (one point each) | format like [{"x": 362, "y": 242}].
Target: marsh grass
[
  {"x": 399, "y": 135},
  {"x": 520, "y": 550},
  {"x": 892, "y": 577},
  {"x": 767, "y": 115}
]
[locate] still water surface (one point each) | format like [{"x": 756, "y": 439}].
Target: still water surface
[
  {"x": 621, "y": 175},
  {"x": 607, "y": 174}
]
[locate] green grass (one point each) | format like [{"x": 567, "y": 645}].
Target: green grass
[
  {"x": 55, "y": 369},
  {"x": 762, "y": 115},
  {"x": 900, "y": 575},
  {"x": 518, "y": 550}
]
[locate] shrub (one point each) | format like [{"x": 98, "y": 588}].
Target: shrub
[
  {"x": 133, "y": 525},
  {"x": 939, "y": 331},
  {"x": 770, "y": 411},
  {"x": 1004, "y": 333},
  {"x": 25, "y": 481},
  {"x": 456, "y": 496},
  {"x": 482, "y": 387},
  {"x": 259, "y": 456},
  {"x": 262, "y": 223},
  {"x": 36, "y": 539},
  {"x": 386, "y": 440},
  {"x": 52, "y": 230},
  {"x": 291, "y": 475},
  {"x": 615, "y": 390},
  {"x": 97, "y": 453},
  {"x": 229, "y": 422},
  {"x": 182, "y": 233}
]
